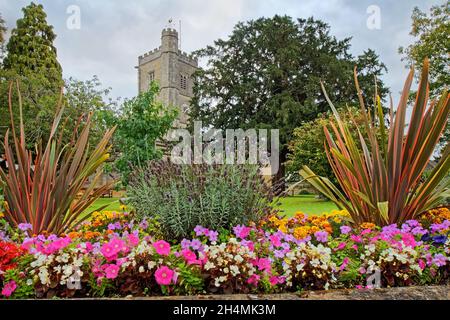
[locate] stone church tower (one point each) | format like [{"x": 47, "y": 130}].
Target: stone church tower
[{"x": 173, "y": 70}]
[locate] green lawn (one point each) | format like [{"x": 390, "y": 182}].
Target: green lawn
[
  {"x": 289, "y": 205},
  {"x": 113, "y": 204},
  {"x": 305, "y": 203}
]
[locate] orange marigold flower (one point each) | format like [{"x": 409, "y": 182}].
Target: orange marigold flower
[
  {"x": 73, "y": 235},
  {"x": 367, "y": 225}
]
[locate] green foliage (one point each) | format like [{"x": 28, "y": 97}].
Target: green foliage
[
  {"x": 31, "y": 59},
  {"x": 2, "y": 37},
  {"x": 84, "y": 97},
  {"x": 267, "y": 75},
  {"x": 391, "y": 188},
  {"x": 30, "y": 49},
  {"x": 183, "y": 196},
  {"x": 431, "y": 40},
  {"x": 307, "y": 147},
  {"x": 144, "y": 120},
  {"x": 49, "y": 188}
]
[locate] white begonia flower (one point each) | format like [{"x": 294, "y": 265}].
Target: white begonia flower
[
  {"x": 234, "y": 270},
  {"x": 209, "y": 265},
  {"x": 151, "y": 265},
  {"x": 141, "y": 269}
]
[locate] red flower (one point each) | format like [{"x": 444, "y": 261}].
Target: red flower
[{"x": 8, "y": 252}]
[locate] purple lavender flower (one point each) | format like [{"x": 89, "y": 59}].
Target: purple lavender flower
[
  {"x": 213, "y": 236},
  {"x": 185, "y": 243},
  {"x": 25, "y": 226},
  {"x": 345, "y": 229},
  {"x": 440, "y": 260},
  {"x": 199, "y": 231},
  {"x": 279, "y": 254},
  {"x": 196, "y": 244},
  {"x": 321, "y": 236},
  {"x": 143, "y": 224}
]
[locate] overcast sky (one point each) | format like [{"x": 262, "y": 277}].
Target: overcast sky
[{"x": 113, "y": 34}]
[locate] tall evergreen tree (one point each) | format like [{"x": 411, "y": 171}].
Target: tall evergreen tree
[
  {"x": 31, "y": 59},
  {"x": 30, "y": 49},
  {"x": 267, "y": 75}
]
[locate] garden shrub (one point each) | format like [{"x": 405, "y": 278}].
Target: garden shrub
[{"x": 214, "y": 196}]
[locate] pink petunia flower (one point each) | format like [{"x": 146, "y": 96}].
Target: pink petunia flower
[
  {"x": 190, "y": 256},
  {"x": 253, "y": 279},
  {"x": 162, "y": 247},
  {"x": 111, "y": 271},
  {"x": 133, "y": 240},
  {"x": 264, "y": 264},
  {"x": 9, "y": 288},
  {"x": 164, "y": 276},
  {"x": 275, "y": 240}
]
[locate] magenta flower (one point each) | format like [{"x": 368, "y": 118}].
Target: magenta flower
[
  {"x": 133, "y": 239},
  {"x": 111, "y": 271},
  {"x": 275, "y": 240},
  {"x": 321, "y": 236},
  {"x": 164, "y": 276},
  {"x": 422, "y": 264},
  {"x": 356, "y": 238},
  {"x": 9, "y": 288},
  {"x": 345, "y": 229},
  {"x": 253, "y": 279},
  {"x": 241, "y": 231},
  {"x": 344, "y": 264},
  {"x": 408, "y": 240},
  {"x": 264, "y": 264},
  {"x": 108, "y": 251},
  {"x": 118, "y": 245},
  {"x": 162, "y": 247},
  {"x": 190, "y": 256}
]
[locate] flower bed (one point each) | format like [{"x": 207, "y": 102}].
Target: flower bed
[{"x": 112, "y": 255}]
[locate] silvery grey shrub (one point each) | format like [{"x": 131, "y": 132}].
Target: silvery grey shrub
[{"x": 213, "y": 196}]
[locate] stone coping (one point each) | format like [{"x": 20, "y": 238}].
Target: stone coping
[{"x": 397, "y": 293}]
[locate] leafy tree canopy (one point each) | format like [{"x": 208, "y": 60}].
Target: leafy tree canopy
[
  {"x": 143, "y": 121},
  {"x": 267, "y": 75},
  {"x": 431, "y": 31}
]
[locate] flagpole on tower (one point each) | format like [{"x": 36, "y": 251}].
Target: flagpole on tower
[{"x": 179, "y": 36}]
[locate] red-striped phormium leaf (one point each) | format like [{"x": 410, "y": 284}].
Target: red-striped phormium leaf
[
  {"x": 381, "y": 179},
  {"x": 50, "y": 187}
]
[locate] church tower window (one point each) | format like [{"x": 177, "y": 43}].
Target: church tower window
[
  {"x": 183, "y": 81},
  {"x": 151, "y": 76}
]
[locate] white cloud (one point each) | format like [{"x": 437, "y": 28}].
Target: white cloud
[{"x": 114, "y": 33}]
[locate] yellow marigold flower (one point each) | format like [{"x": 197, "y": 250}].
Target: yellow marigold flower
[
  {"x": 2, "y": 215},
  {"x": 301, "y": 232}
]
